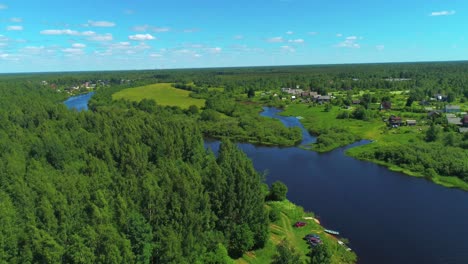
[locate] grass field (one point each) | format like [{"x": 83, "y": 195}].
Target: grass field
[
  {"x": 283, "y": 229},
  {"x": 162, "y": 93},
  {"x": 316, "y": 119}
]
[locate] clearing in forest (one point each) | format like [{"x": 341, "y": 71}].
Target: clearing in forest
[{"x": 162, "y": 93}]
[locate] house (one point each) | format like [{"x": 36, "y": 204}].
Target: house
[
  {"x": 410, "y": 122},
  {"x": 452, "y": 109},
  {"x": 465, "y": 121},
  {"x": 463, "y": 129},
  {"x": 323, "y": 98},
  {"x": 356, "y": 102},
  {"x": 386, "y": 105},
  {"x": 395, "y": 121},
  {"x": 440, "y": 97},
  {"x": 433, "y": 114},
  {"x": 453, "y": 119},
  {"x": 309, "y": 94}
]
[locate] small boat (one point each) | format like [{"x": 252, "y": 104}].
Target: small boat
[{"x": 332, "y": 232}]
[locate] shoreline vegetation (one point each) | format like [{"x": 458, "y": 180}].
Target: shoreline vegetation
[
  {"x": 357, "y": 130},
  {"x": 283, "y": 229}
]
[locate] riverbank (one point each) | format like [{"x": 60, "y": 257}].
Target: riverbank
[
  {"x": 333, "y": 133},
  {"x": 283, "y": 228},
  {"x": 446, "y": 181}
]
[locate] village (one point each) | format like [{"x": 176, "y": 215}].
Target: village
[{"x": 436, "y": 108}]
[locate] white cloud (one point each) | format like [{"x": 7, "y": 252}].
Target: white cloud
[
  {"x": 290, "y": 32},
  {"x": 339, "y": 35},
  {"x": 215, "y": 50},
  {"x": 238, "y": 37},
  {"x": 100, "y": 23},
  {"x": 196, "y": 55},
  {"x": 191, "y": 30},
  {"x": 60, "y": 32},
  {"x": 15, "y": 28},
  {"x": 100, "y": 38},
  {"x": 16, "y": 20},
  {"x": 155, "y": 55},
  {"x": 443, "y": 13},
  {"x": 313, "y": 33},
  {"x": 79, "y": 46},
  {"x": 73, "y": 51},
  {"x": 160, "y": 29},
  {"x": 3, "y": 6},
  {"x": 349, "y": 42},
  {"x": 380, "y": 47},
  {"x": 144, "y": 28},
  {"x": 296, "y": 41},
  {"x": 288, "y": 49},
  {"x": 275, "y": 39},
  {"x": 141, "y": 37},
  {"x": 88, "y": 33}
]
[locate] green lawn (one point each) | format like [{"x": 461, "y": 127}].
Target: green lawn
[
  {"x": 162, "y": 93},
  {"x": 316, "y": 120},
  {"x": 283, "y": 229}
]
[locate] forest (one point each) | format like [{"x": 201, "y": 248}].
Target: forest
[
  {"x": 131, "y": 181},
  {"x": 120, "y": 186}
]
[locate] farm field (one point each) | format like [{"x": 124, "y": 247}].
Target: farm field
[{"x": 162, "y": 93}]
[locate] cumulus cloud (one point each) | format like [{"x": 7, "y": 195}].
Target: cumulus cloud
[
  {"x": 15, "y": 28},
  {"x": 2, "y": 6},
  {"x": 313, "y": 33},
  {"x": 288, "y": 49},
  {"x": 238, "y": 37},
  {"x": 296, "y": 41},
  {"x": 100, "y": 38},
  {"x": 349, "y": 42},
  {"x": 443, "y": 13},
  {"x": 275, "y": 39},
  {"x": 141, "y": 37},
  {"x": 100, "y": 23},
  {"x": 156, "y": 55},
  {"x": 79, "y": 46},
  {"x": 289, "y": 32},
  {"x": 73, "y": 51},
  {"x": 339, "y": 35},
  {"x": 380, "y": 47},
  {"x": 60, "y": 32},
  {"x": 144, "y": 28}
]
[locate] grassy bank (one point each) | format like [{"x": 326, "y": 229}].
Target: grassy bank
[
  {"x": 283, "y": 228},
  {"x": 163, "y": 93},
  {"x": 393, "y": 148},
  {"x": 446, "y": 181}
]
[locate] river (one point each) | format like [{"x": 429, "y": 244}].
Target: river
[
  {"x": 387, "y": 216},
  {"x": 79, "y": 102}
]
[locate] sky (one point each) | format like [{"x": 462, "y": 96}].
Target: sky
[{"x": 89, "y": 35}]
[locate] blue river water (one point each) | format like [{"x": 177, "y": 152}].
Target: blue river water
[
  {"x": 387, "y": 216},
  {"x": 79, "y": 102}
]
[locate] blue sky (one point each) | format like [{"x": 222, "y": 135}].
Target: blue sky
[{"x": 52, "y": 35}]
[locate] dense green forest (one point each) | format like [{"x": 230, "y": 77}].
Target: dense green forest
[
  {"x": 131, "y": 182},
  {"x": 127, "y": 185}
]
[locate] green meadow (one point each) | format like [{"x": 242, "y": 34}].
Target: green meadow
[{"x": 162, "y": 93}]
